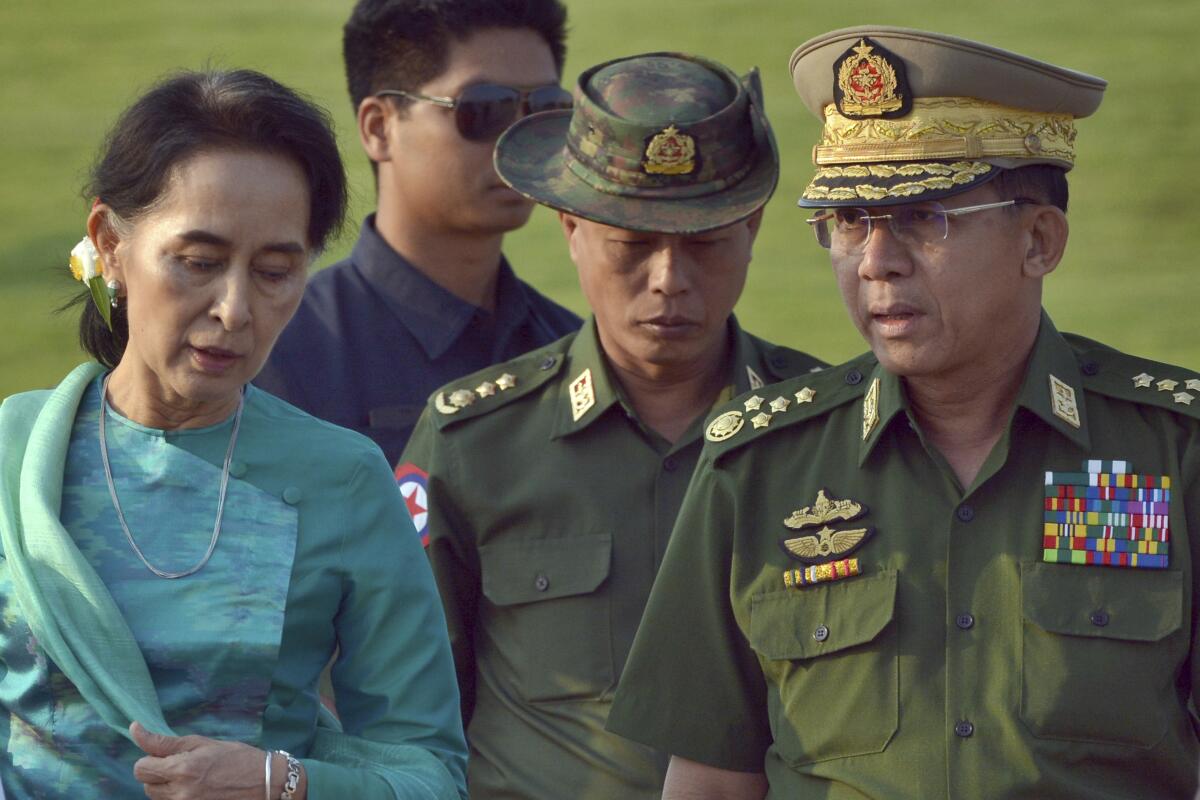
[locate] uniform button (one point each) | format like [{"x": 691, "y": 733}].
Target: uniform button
[
  {"x": 821, "y": 633},
  {"x": 541, "y": 583},
  {"x": 778, "y": 362},
  {"x": 237, "y": 468},
  {"x": 965, "y": 621},
  {"x": 547, "y": 363},
  {"x": 963, "y": 729},
  {"x": 1089, "y": 368},
  {"x": 272, "y": 713},
  {"x": 292, "y": 495},
  {"x": 965, "y": 513},
  {"x": 854, "y": 377},
  {"x": 1099, "y": 618},
  {"x": 669, "y": 464}
]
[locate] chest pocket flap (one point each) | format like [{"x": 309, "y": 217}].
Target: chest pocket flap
[
  {"x": 822, "y": 619},
  {"x": 531, "y": 571},
  {"x": 1105, "y": 602}
]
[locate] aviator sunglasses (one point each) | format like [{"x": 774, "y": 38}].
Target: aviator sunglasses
[{"x": 484, "y": 110}]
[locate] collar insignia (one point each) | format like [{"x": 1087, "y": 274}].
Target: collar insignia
[
  {"x": 756, "y": 382},
  {"x": 870, "y": 81},
  {"x": 724, "y": 426},
  {"x": 871, "y": 409},
  {"x": 1062, "y": 401},
  {"x": 583, "y": 395},
  {"x": 670, "y": 152}
]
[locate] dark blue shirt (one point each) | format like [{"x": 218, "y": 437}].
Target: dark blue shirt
[{"x": 374, "y": 338}]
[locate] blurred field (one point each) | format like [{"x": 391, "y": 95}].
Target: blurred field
[{"x": 1129, "y": 277}]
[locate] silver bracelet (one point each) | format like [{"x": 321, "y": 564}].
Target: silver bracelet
[
  {"x": 293, "y": 776},
  {"x": 267, "y": 775}
]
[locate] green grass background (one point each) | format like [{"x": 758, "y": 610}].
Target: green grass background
[{"x": 67, "y": 67}]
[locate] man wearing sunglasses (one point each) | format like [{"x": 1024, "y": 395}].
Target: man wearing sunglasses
[
  {"x": 554, "y": 478},
  {"x": 427, "y": 296},
  {"x": 963, "y": 564}
]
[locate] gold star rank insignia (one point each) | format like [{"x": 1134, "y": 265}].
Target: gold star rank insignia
[
  {"x": 583, "y": 395},
  {"x": 760, "y": 420},
  {"x": 1183, "y": 397},
  {"x": 485, "y": 389},
  {"x": 871, "y": 409},
  {"x": 1143, "y": 381},
  {"x": 506, "y": 381},
  {"x": 461, "y": 398},
  {"x": 724, "y": 426},
  {"x": 1193, "y": 384},
  {"x": 1167, "y": 385},
  {"x": 805, "y": 395},
  {"x": 1062, "y": 401},
  {"x": 780, "y": 404},
  {"x": 754, "y": 403}
]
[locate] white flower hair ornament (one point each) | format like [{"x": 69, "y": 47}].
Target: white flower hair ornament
[{"x": 87, "y": 267}]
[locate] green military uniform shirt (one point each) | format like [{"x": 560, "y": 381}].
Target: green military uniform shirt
[
  {"x": 975, "y": 653},
  {"x": 550, "y": 506}
]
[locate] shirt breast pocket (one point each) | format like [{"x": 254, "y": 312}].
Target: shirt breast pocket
[
  {"x": 549, "y": 628},
  {"x": 1095, "y": 666},
  {"x": 830, "y": 656}
]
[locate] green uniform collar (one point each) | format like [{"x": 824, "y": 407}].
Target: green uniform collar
[
  {"x": 1052, "y": 390},
  {"x": 588, "y": 388}
]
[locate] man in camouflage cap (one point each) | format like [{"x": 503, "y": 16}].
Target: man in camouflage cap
[
  {"x": 553, "y": 480},
  {"x": 964, "y": 564}
]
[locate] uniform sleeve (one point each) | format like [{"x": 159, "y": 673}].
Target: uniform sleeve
[
  {"x": 692, "y": 686},
  {"x": 451, "y": 550},
  {"x": 402, "y": 733},
  {"x": 1190, "y": 491}
]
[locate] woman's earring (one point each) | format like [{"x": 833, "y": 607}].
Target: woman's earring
[{"x": 113, "y": 286}]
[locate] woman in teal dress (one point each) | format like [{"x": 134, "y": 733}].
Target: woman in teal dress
[{"x": 182, "y": 552}]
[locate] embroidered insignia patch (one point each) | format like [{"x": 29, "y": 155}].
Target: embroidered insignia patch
[
  {"x": 1107, "y": 515},
  {"x": 870, "y": 81},
  {"x": 1062, "y": 402},
  {"x": 819, "y": 573},
  {"x": 827, "y": 542},
  {"x": 871, "y": 409},
  {"x": 724, "y": 426},
  {"x": 670, "y": 152},
  {"x": 583, "y": 395},
  {"x": 413, "y": 483},
  {"x": 756, "y": 381}
]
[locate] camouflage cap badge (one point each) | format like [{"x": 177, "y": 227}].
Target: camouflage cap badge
[{"x": 659, "y": 142}]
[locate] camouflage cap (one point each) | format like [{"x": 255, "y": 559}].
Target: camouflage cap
[
  {"x": 912, "y": 115},
  {"x": 660, "y": 142}
]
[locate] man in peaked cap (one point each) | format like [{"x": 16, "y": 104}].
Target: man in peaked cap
[
  {"x": 964, "y": 564},
  {"x": 553, "y": 479}
]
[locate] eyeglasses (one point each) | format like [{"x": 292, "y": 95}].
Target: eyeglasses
[
  {"x": 849, "y": 229},
  {"x": 483, "y": 111}
]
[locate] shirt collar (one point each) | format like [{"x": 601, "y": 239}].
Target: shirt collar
[
  {"x": 589, "y": 389},
  {"x": 1052, "y": 390},
  {"x": 434, "y": 316}
]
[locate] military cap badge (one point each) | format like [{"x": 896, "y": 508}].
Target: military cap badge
[
  {"x": 870, "y": 81},
  {"x": 826, "y": 543},
  {"x": 670, "y": 152}
]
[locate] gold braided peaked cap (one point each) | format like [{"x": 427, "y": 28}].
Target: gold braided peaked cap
[{"x": 913, "y": 115}]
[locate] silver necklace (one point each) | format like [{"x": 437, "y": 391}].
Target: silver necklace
[{"x": 112, "y": 489}]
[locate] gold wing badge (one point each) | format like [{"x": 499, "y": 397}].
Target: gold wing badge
[{"x": 826, "y": 543}]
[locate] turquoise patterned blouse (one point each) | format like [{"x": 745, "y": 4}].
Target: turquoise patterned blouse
[{"x": 235, "y": 649}]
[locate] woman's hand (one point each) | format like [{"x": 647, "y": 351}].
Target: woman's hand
[{"x": 187, "y": 767}]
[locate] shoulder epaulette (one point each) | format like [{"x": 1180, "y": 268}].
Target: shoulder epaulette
[
  {"x": 1115, "y": 374},
  {"x": 496, "y": 386},
  {"x": 784, "y": 362},
  {"x": 762, "y": 411}
]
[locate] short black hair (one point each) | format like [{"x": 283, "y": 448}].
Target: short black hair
[
  {"x": 191, "y": 112},
  {"x": 403, "y": 44},
  {"x": 1045, "y": 183}
]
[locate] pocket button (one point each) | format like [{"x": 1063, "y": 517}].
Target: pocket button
[
  {"x": 963, "y": 729},
  {"x": 821, "y": 633},
  {"x": 965, "y": 621},
  {"x": 541, "y": 583},
  {"x": 1099, "y": 618}
]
